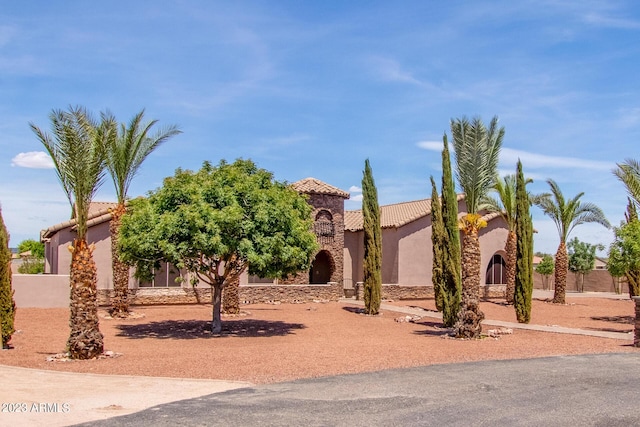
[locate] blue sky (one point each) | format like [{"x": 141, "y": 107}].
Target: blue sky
[{"x": 315, "y": 88}]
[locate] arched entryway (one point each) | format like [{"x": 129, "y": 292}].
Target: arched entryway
[
  {"x": 321, "y": 268},
  {"x": 496, "y": 271}
]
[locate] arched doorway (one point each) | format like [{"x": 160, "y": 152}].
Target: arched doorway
[
  {"x": 321, "y": 268},
  {"x": 496, "y": 271}
]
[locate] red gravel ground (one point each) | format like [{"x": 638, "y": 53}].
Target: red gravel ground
[{"x": 275, "y": 343}]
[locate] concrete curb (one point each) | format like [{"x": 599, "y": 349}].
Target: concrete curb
[{"x": 628, "y": 336}]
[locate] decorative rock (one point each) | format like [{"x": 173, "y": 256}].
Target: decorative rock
[
  {"x": 407, "y": 319},
  {"x": 495, "y": 333}
]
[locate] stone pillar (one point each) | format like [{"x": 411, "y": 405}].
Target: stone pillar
[{"x": 636, "y": 338}]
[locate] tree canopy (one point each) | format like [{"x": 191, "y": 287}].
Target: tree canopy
[
  {"x": 29, "y": 245},
  {"x": 217, "y": 223},
  {"x": 624, "y": 255},
  {"x": 546, "y": 265},
  {"x": 582, "y": 256}
]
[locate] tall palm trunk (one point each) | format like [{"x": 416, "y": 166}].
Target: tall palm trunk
[
  {"x": 560, "y": 274},
  {"x": 469, "y": 315},
  {"x": 510, "y": 261},
  {"x": 85, "y": 340},
  {"x": 120, "y": 301}
]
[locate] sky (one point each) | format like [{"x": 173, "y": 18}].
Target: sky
[{"x": 312, "y": 89}]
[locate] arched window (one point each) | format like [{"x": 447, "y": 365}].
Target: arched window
[
  {"x": 323, "y": 226},
  {"x": 496, "y": 271}
]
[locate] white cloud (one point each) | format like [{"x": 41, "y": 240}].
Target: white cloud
[
  {"x": 389, "y": 69},
  {"x": 355, "y": 189},
  {"x": 534, "y": 160},
  {"x": 33, "y": 159},
  {"x": 356, "y": 198},
  {"x": 605, "y": 21},
  {"x": 629, "y": 117},
  {"x": 430, "y": 145}
]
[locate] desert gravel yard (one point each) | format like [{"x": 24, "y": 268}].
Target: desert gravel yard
[{"x": 281, "y": 342}]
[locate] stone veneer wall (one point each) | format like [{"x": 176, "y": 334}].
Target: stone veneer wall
[
  {"x": 335, "y": 205},
  {"x": 248, "y": 294},
  {"x": 398, "y": 292},
  {"x": 636, "y": 338},
  {"x": 251, "y": 294}
]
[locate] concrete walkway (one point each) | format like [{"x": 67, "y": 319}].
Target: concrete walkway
[{"x": 33, "y": 397}]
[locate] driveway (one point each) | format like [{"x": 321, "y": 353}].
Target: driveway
[{"x": 593, "y": 390}]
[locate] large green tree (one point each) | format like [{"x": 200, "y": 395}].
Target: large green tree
[
  {"x": 582, "y": 259},
  {"x": 545, "y": 268},
  {"x": 7, "y": 304},
  {"x": 451, "y": 264},
  {"x": 624, "y": 255},
  {"x": 217, "y": 223},
  {"x": 32, "y": 257},
  {"x": 77, "y": 147},
  {"x": 477, "y": 150},
  {"x": 523, "y": 282},
  {"x": 29, "y": 245},
  {"x": 566, "y": 215},
  {"x": 372, "y": 242},
  {"x": 125, "y": 155}
]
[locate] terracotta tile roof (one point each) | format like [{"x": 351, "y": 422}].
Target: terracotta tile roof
[
  {"x": 399, "y": 214},
  {"x": 315, "y": 186},
  {"x": 391, "y": 216},
  {"x": 99, "y": 208},
  {"x": 98, "y": 213}
]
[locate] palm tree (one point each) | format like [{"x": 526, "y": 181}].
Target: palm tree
[
  {"x": 505, "y": 204},
  {"x": 567, "y": 214},
  {"x": 125, "y": 155},
  {"x": 628, "y": 173},
  {"x": 77, "y": 149},
  {"x": 477, "y": 150}
]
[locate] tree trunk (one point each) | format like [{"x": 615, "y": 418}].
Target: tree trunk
[
  {"x": 216, "y": 302},
  {"x": 633, "y": 280},
  {"x": 231, "y": 297},
  {"x": 120, "y": 300},
  {"x": 510, "y": 261},
  {"x": 560, "y": 274},
  {"x": 469, "y": 315},
  {"x": 85, "y": 340}
]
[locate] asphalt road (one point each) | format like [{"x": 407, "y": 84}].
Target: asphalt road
[{"x": 595, "y": 390}]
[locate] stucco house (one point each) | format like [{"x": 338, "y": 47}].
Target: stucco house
[{"x": 336, "y": 268}]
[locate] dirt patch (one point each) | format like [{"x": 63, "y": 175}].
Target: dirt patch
[{"x": 273, "y": 343}]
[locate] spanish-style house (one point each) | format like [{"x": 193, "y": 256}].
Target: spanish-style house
[{"x": 336, "y": 269}]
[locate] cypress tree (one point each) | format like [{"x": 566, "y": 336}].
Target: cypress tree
[
  {"x": 372, "y": 243},
  {"x": 437, "y": 236},
  {"x": 451, "y": 264},
  {"x": 524, "y": 251},
  {"x": 7, "y": 304}
]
